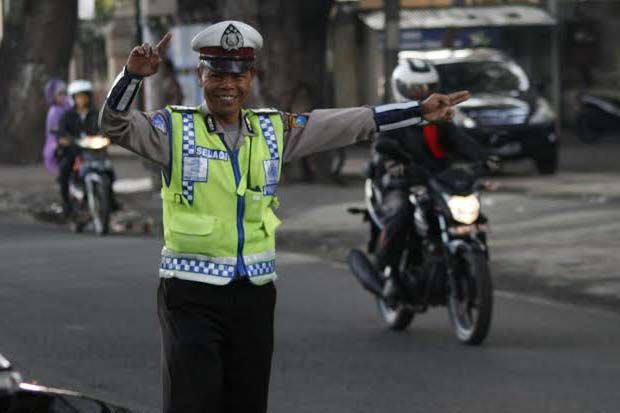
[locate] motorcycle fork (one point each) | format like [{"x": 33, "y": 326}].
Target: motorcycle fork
[{"x": 449, "y": 258}]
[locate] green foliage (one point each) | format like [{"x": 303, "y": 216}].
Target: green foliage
[{"x": 103, "y": 9}]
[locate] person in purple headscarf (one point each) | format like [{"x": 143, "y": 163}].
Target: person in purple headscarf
[{"x": 56, "y": 96}]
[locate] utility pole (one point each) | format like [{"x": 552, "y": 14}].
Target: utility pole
[
  {"x": 139, "y": 41},
  {"x": 391, "y": 46},
  {"x": 556, "y": 68}
]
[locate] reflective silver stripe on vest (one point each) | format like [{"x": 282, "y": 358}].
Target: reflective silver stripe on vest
[{"x": 257, "y": 264}]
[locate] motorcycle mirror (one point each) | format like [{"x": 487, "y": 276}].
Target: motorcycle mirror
[
  {"x": 391, "y": 149},
  {"x": 38, "y": 399},
  {"x": 17, "y": 396}
]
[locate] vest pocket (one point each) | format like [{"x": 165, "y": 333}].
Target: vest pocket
[
  {"x": 255, "y": 205},
  {"x": 190, "y": 224},
  {"x": 188, "y": 232},
  {"x": 270, "y": 222}
]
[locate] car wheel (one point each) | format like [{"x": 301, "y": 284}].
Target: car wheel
[{"x": 547, "y": 161}]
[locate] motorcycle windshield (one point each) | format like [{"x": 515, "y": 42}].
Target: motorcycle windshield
[{"x": 456, "y": 181}]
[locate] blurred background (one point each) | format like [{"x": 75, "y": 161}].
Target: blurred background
[
  {"x": 317, "y": 53},
  {"x": 78, "y": 311}
]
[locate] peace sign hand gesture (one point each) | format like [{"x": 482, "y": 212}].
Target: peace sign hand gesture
[
  {"x": 144, "y": 60},
  {"x": 440, "y": 108}
]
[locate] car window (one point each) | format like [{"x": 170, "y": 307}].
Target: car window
[{"x": 480, "y": 77}]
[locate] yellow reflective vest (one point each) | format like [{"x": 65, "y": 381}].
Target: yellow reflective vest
[{"x": 217, "y": 203}]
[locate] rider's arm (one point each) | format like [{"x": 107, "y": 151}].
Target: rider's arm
[
  {"x": 142, "y": 133},
  {"x": 65, "y": 134},
  {"x": 463, "y": 145},
  {"x": 325, "y": 129}
]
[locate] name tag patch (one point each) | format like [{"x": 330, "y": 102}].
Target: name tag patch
[
  {"x": 271, "y": 171},
  {"x": 195, "y": 168},
  {"x": 212, "y": 153}
]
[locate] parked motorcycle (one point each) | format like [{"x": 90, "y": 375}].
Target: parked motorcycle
[
  {"x": 598, "y": 116},
  {"x": 446, "y": 260},
  {"x": 90, "y": 185},
  {"x": 17, "y": 396}
]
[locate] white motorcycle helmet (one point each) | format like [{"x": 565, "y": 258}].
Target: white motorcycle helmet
[
  {"x": 79, "y": 86},
  {"x": 414, "y": 79}
]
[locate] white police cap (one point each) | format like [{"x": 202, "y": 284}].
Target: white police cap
[{"x": 228, "y": 46}]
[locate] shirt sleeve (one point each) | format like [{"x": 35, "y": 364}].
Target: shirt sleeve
[
  {"x": 146, "y": 134},
  {"x": 325, "y": 129}
]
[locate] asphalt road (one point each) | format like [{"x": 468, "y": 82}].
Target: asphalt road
[{"x": 79, "y": 312}]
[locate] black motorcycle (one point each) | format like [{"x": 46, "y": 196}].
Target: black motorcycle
[
  {"x": 90, "y": 185},
  {"x": 445, "y": 262},
  {"x": 598, "y": 117},
  {"x": 17, "y": 396}
]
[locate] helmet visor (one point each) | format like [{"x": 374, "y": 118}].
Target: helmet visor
[
  {"x": 415, "y": 91},
  {"x": 218, "y": 64}
]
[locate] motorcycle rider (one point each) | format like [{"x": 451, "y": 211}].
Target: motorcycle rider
[
  {"x": 79, "y": 121},
  {"x": 431, "y": 147}
]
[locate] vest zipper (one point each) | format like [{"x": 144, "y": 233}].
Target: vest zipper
[{"x": 240, "y": 268}]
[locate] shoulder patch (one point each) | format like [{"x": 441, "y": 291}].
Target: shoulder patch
[
  {"x": 158, "y": 121},
  {"x": 298, "y": 121},
  {"x": 180, "y": 108}
]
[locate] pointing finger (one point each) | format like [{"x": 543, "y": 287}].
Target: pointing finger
[
  {"x": 458, "y": 97},
  {"x": 163, "y": 43}
]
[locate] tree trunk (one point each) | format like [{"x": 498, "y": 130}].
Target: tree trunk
[
  {"x": 37, "y": 45},
  {"x": 292, "y": 64}
]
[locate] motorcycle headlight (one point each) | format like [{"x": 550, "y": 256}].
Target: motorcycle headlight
[
  {"x": 543, "y": 113},
  {"x": 464, "y": 209},
  {"x": 95, "y": 142}
]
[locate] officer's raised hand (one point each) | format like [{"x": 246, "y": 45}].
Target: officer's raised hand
[
  {"x": 440, "y": 108},
  {"x": 144, "y": 60}
]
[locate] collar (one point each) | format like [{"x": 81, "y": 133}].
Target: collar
[{"x": 214, "y": 126}]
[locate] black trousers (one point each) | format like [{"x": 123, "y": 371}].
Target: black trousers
[
  {"x": 65, "y": 167},
  {"x": 217, "y": 343},
  {"x": 398, "y": 218}
]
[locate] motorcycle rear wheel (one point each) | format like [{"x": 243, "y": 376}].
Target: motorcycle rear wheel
[
  {"x": 470, "y": 300},
  {"x": 397, "y": 317}
]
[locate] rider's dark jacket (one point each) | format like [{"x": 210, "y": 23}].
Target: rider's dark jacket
[
  {"x": 72, "y": 125},
  {"x": 434, "y": 147}
]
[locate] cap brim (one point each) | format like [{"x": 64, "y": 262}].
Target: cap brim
[{"x": 229, "y": 65}]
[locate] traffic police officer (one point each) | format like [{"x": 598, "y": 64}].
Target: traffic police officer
[{"x": 221, "y": 165}]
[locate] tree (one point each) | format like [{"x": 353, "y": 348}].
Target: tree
[{"x": 36, "y": 46}]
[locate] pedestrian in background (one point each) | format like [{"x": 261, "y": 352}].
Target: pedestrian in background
[
  {"x": 56, "y": 97},
  {"x": 78, "y": 121},
  {"x": 222, "y": 165}
]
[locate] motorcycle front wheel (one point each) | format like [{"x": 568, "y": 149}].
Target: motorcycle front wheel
[
  {"x": 470, "y": 299},
  {"x": 99, "y": 205},
  {"x": 397, "y": 316}
]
